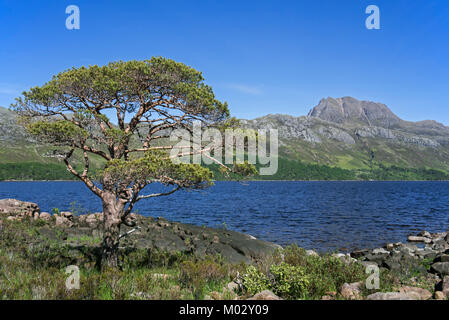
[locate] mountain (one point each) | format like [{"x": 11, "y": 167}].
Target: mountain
[
  {"x": 348, "y": 110},
  {"x": 358, "y": 135},
  {"x": 340, "y": 138},
  {"x": 10, "y": 131},
  {"x": 23, "y": 158}
]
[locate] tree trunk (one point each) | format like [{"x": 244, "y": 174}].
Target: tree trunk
[{"x": 112, "y": 218}]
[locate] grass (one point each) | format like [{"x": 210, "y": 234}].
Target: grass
[
  {"x": 31, "y": 269},
  {"x": 33, "y": 266}
]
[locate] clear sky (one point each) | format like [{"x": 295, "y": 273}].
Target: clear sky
[{"x": 260, "y": 56}]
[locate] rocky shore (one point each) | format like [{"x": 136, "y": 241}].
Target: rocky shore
[
  {"x": 424, "y": 256},
  {"x": 150, "y": 233}
]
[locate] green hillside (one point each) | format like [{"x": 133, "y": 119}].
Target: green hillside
[{"x": 321, "y": 146}]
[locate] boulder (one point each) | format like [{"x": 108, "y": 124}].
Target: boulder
[
  {"x": 265, "y": 295},
  {"x": 232, "y": 287},
  {"x": 419, "y": 239},
  {"x": 425, "y": 234},
  {"x": 380, "y": 251},
  {"x": 440, "y": 245},
  {"x": 67, "y": 215},
  {"x": 359, "y": 253},
  {"x": 63, "y": 222},
  {"x": 92, "y": 220},
  {"x": 377, "y": 258},
  {"x": 351, "y": 291},
  {"x": 408, "y": 247},
  {"x": 392, "y": 263},
  {"x": 426, "y": 253},
  {"x": 443, "y": 286},
  {"x": 423, "y": 294},
  {"x": 441, "y": 268},
  {"x": 442, "y": 257},
  {"x": 45, "y": 216},
  {"x": 312, "y": 253},
  {"x": 17, "y": 208},
  {"x": 392, "y": 296},
  {"x": 214, "y": 295},
  {"x": 367, "y": 263},
  {"x": 439, "y": 295}
]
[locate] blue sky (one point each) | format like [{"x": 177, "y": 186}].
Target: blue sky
[{"x": 260, "y": 56}]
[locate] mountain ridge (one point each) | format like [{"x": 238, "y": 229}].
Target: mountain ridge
[
  {"x": 344, "y": 133},
  {"x": 356, "y": 134}
]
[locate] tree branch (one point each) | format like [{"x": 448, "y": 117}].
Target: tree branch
[
  {"x": 83, "y": 177},
  {"x": 158, "y": 194}
]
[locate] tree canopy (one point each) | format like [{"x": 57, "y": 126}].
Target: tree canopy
[{"x": 124, "y": 112}]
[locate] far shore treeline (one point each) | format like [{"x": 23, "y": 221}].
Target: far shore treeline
[{"x": 288, "y": 170}]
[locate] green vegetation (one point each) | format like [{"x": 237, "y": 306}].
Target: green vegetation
[
  {"x": 288, "y": 170},
  {"x": 38, "y": 271},
  {"x": 298, "y": 170},
  {"x": 301, "y": 276},
  {"x": 34, "y": 171},
  {"x": 382, "y": 172},
  {"x": 32, "y": 266}
]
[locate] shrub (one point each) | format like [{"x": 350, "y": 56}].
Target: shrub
[
  {"x": 207, "y": 273},
  {"x": 200, "y": 271},
  {"x": 255, "y": 281},
  {"x": 290, "y": 281}
]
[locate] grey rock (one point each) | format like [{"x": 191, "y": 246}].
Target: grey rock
[
  {"x": 439, "y": 295},
  {"x": 45, "y": 216},
  {"x": 312, "y": 253},
  {"x": 232, "y": 287},
  {"x": 359, "y": 253},
  {"x": 379, "y": 258},
  {"x": 425, "y": 234},
  {"x": 17, "y": 208},
  {"x": 426, "y": 253},
  {"x": 392, "y": 296},
  {"x": 11, "y": 133},
  {"x": 443, "y": 286},
  {"x": 442, "y": 257},
  {"x": 420, "y": 293},
  {"x": 367, "y": 263},
  {"x": 351, "y": 291},
  {"x": 392, "y": 264},
  {"x": 419, "y": 239},
  {"x": 348, "y": 109},
  {"x": 380, "y": 251},
  {"x": 265, "y": 295},
  {"x": 441, "y": 268},
  {"x": 63, "y": 222}
]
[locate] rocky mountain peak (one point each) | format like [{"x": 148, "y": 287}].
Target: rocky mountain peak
[{"x": 348, "y": 109}]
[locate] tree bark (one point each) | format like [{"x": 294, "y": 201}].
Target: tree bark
[{"x": 112, "y": 212}]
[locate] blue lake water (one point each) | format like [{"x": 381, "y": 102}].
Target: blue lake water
[{"x": 320, "y": 215}]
